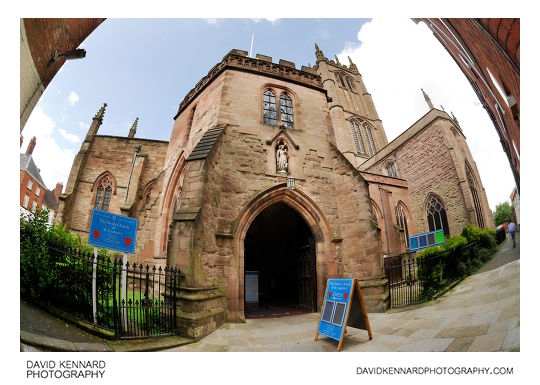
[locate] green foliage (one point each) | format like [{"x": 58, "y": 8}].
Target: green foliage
[
  {"x": 457, "y": 258},
  {"x": 502, "y": 213}
]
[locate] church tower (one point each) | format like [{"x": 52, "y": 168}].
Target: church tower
[{"x": 359, "y": 131}]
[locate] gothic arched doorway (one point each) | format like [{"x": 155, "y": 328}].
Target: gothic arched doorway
[{"x": 279, "y": 249}]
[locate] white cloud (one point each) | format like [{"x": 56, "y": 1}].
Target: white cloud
[
  {"x": 72, "y": 98},
  {"x": 71, "y": 137},
  {"x": 397, "y": 58},
  {"x": 54, "y": 162},
  {"x": 84, "y": 126}
]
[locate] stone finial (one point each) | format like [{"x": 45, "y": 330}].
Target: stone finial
[
  {"x": 442, "y": 108},
  {"x": 318, "y": 53},
  {"x": 133, "y": 128},
  {"x": 337, "y": 59},
  {"x": 101, "y": 113},
  {"x": 352, "y": 66},
  {"x": 455, "y": 119},
  {"x": 427, "y": 99},
  {"x": 31, "y": 145}
]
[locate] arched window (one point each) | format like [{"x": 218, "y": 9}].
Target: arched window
[
  {"x": 391, "y": 169},
  {"x": 269, "y": 108},
  {"x": 369, "y": 138},
  {"x": 401, "y": 221},
  {"x": 285, "y": 107},
  {"x": 357, "y": 137},
  {"x": 350, "y": 83},
  {"x": 146, "y": 196},
  {"x": 103, "y": 193},
  {"x": 341, "y": 80},
  {"x": 436, "y": 215},
  {"x": 363, "y": 137},
  {"x": 476, "y": 200}
]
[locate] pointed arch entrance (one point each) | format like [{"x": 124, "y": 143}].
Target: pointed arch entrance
[
  {"x": 279, "y": 247},
  {"x": 285, "y": 222}
]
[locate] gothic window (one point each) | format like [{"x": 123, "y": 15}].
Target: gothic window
[
  {"x": 391, "y": 169},
  {"x": 103, "y": 193},
  {"x": 363, "y": 137},
  {"x": 357, "y": 137},
  {"x": 341, "y": 80},
  {"x": 369, "y": 138},
  {"x": 476, "y": 200},
  {"x": 269, "y": 108},
  {"x": 436, "y": 215},
  {"x": 350, "y": 83},
  {"x": 285, "y": 105},
  {"x": 146, "y": 196},
  {"x": 401, "y": 221}
]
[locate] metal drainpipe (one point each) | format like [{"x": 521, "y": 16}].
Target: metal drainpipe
[
  {"x": 385, "y": 226},
  {"x": 137, "y": 149}
]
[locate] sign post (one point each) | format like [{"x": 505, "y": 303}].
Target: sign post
[
  {"x": 94, "y": 284},
  {"x": 114, "y": 232},
  {"x": 343, "y": 306}
]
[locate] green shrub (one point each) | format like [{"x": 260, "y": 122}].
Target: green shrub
[{"x": 471, "y": 233}]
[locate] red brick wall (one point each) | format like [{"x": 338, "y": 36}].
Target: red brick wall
[
  {"x": 46, "y": 35},
  {"x": 25, "y": 177},
  {"x": 493, "y": 44}
]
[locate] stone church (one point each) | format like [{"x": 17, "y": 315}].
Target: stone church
[{"x": 281, "y": 171}]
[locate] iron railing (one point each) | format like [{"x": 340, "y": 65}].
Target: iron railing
[
  {"x": 404, "y": 287},
  {"x": 133, "y": 301}
]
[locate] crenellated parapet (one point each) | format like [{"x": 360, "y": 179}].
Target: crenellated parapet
[{"x": 240, "y": 61}]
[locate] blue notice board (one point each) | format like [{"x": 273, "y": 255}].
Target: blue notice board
[
  {"x": 429, "y": 239},
  {"x": 113, "y": 232},
  {"x": 335, "y": 306}
]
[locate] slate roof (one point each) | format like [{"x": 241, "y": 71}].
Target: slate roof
[
  {"x": 27, "y": 164},
  {"x": 50, "y": 199},
  {"x": 206, "y": 143}
]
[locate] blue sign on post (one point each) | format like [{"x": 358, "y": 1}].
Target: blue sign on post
[{"x": 112, "y": 231}]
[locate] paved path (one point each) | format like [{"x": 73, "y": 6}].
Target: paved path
[{"x": 480, "y": 314}]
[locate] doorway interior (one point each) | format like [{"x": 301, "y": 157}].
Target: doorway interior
[{"x": 279, "y": 249}]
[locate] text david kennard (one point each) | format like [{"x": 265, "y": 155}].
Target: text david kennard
[{"x": 65, "y": 369}]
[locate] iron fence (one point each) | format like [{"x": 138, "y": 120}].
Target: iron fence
[
  {"x": 133, "y": 301},
  {"x": 404, "y": 287}
]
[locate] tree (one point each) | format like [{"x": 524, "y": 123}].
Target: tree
[{"x": 502, "y": 213}]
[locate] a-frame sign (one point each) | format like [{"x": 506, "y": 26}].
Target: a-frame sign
[{"x": 343, "y": 306}]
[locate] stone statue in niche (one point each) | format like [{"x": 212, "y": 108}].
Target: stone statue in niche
[{"x": 282, "y": 158}]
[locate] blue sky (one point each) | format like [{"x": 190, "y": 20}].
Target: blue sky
[{"x": 144, "y": 68}]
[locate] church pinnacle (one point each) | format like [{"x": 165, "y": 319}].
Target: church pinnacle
[
  {"x": 318, "y": 53},
  {"x": 101, "y": 113},
  {"x": 427, "y": 99},
  {"x": 133, "y": 128}
]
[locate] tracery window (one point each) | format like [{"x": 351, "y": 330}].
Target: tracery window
[
  {"x": 270, "y": 112},
  {"x": 436, "y": 215},
  {"x": 269, "y": 108},
  {"x": 476, "y": 200},
  {"x": 103, "y": 194},
  {"x": 391, "y": 169},
  {"x": 401, "y": 221},
  {"x": 345, "y": 81},
  {"x": 146, "y": 196},
  {"x": 363, "y": 137},
  {"x": 285, "y": 104}
]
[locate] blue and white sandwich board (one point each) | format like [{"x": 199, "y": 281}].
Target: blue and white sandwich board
[
  {"x": 343, "y": 306},
  {"x": 112, "y": 231}
]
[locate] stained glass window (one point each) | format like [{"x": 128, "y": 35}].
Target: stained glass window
[
  {"x": 286, "y": 111},
  {"x": 269, "y": 108},
  {"x": 103, "y": 194}
]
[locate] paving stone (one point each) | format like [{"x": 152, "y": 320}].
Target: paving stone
[
  {"x": 487, "y": 343},
  {"x": 511, "y": 341},
  {"x": 460, "y": 344},
  {"x": 427, "y": 345},
  {"x": 467, "y": 331}
]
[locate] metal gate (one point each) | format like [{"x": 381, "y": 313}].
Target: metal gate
[
  {"x": 404, "y": 287},
  {"x": 147, "y": 306}
]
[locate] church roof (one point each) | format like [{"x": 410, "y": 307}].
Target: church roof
[
  {"x": 28, "y": 165},
  {"x": 206, "y": 143}
]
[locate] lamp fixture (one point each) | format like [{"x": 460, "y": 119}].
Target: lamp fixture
[{"x": 70, "y": 55}]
